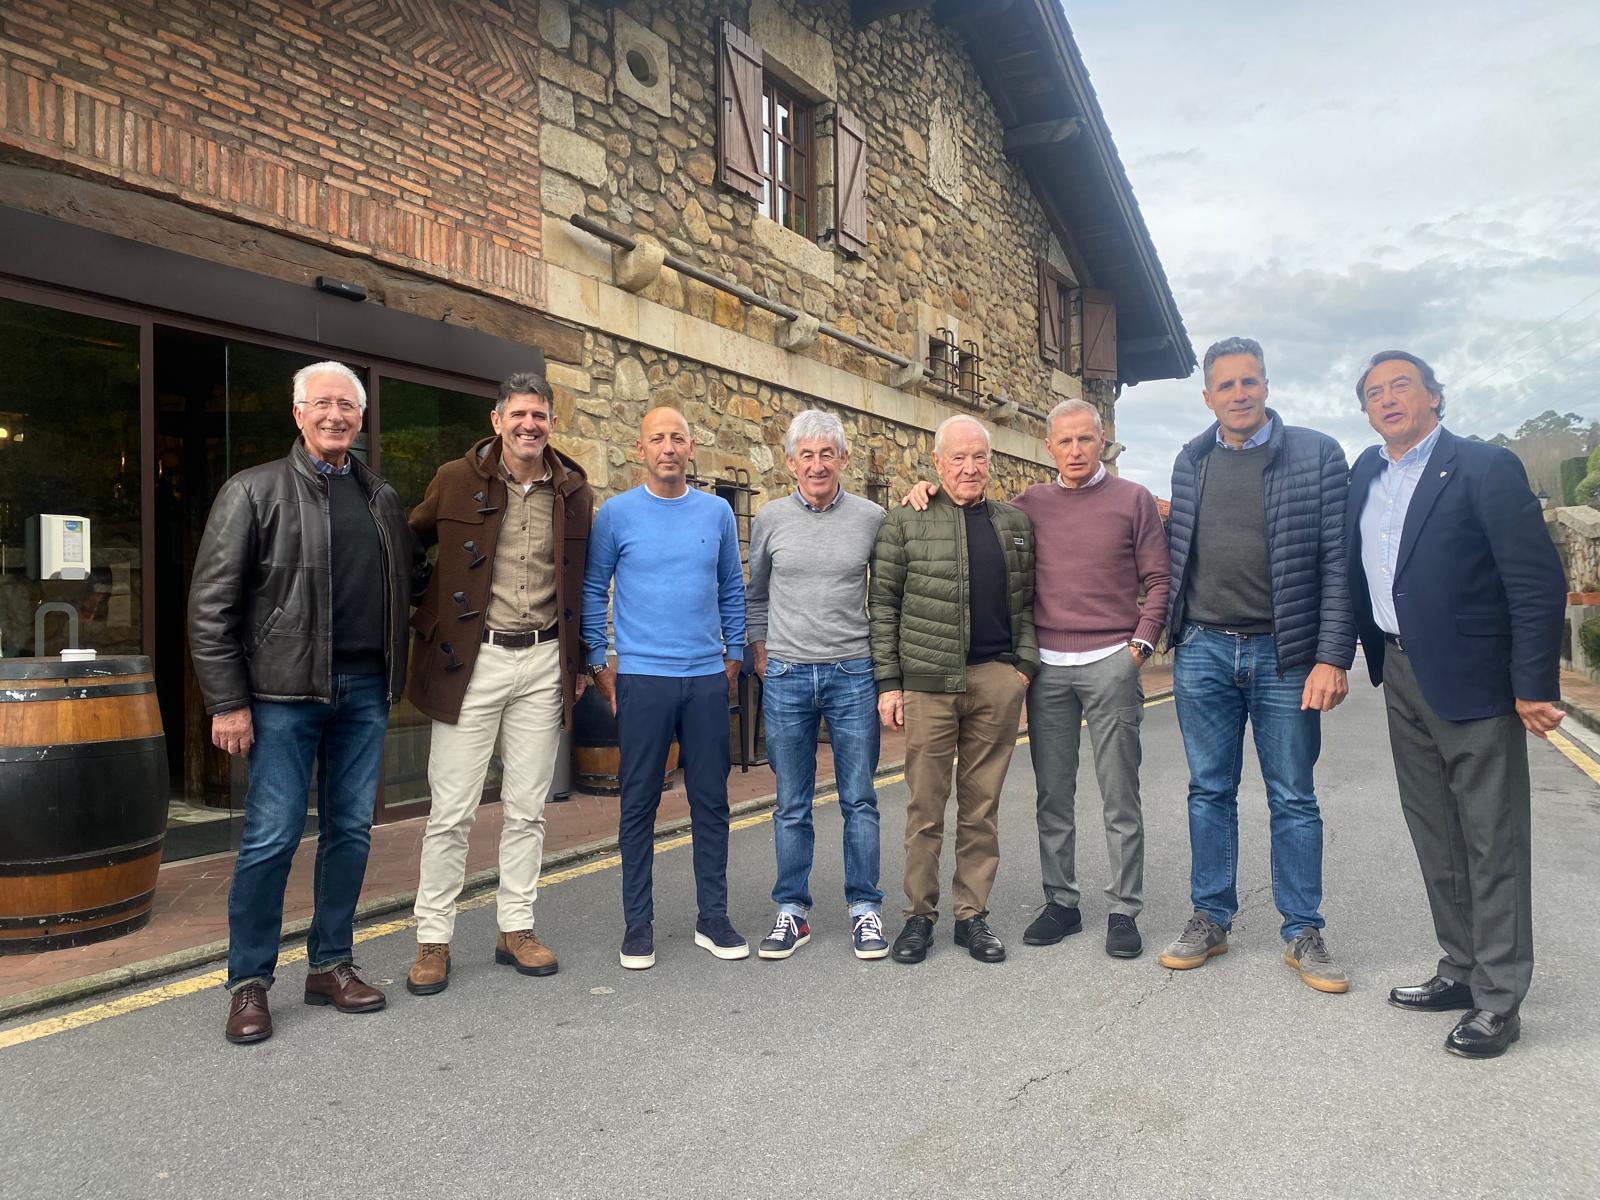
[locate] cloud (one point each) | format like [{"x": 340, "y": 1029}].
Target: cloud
[{"x": 1308, "y": 188}]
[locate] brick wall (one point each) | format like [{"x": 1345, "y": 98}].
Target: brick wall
[{"x": 406, "y": 130}]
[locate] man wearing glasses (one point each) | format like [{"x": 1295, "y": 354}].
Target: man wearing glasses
[{"x": 297, "y": 626}]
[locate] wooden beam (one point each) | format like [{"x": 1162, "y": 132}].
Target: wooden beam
[
  {"x": 1145, "y": 345},
  {"x": 865, "y": 12},
  {"x": 968, "y": 12},
  {"x": 1042, "y": 133}
]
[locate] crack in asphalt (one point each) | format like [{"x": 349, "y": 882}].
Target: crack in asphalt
[{"x": 1122, "y": 1016}]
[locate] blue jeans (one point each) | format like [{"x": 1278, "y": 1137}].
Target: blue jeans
[
  {"x": 651, "y": 711},
  {"x": 345, "y": 741},
  {"x": 794, "y": 697},
  {"x": 1220, "y": 681}
]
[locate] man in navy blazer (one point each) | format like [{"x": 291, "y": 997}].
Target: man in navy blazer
[{"x": 1458, "y": 598}]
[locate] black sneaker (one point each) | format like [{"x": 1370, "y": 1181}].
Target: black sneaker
[
  {"x": 1054, "y": 923},
  {"x": 980, "y": 941},
  {"x": 639, "y": 947},
  {"x": 912, "y": 944},
  {"x": 789, "y": 933},
  {"x": 867, "y": 935},
  {"x": 719, "y": 936},
  {"x": 1122, "y": 937}
]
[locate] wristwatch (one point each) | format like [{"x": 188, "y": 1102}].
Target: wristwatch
[{"x": 1142, "y": 649}]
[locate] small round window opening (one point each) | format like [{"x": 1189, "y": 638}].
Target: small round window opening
[{"x": 642, "y": 67}]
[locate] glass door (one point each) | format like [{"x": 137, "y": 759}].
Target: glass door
[
  {"x": 221, "y": 405},
  {"x": 421, "y": 426}
]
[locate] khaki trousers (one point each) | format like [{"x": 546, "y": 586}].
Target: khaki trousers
[
  {"x": 976, "y": 731},
  {"x": 514, "y": 697}
]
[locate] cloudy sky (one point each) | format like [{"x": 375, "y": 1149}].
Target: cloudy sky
[{"x": 1338, "y": 179}]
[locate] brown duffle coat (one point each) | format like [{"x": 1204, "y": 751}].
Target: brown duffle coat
[{"x": 462, "y": 513}]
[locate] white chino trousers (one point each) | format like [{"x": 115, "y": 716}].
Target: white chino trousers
[{"x": 514, "y": 697}]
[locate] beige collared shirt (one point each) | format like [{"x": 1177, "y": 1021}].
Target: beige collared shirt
[{"x": 522, "y": 592}]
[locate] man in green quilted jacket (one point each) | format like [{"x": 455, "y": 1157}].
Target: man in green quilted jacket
[{"x": 953, "y": 650}]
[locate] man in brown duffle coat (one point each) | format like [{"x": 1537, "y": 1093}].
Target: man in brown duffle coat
[{"x": 497, "y": 656}]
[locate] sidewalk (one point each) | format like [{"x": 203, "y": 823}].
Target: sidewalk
[
  {"x": 1580, "y": 696},
  {"x": 189, "y": 926}
]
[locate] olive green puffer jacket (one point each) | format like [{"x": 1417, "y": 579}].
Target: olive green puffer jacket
[{"x": 919, "y": 595}]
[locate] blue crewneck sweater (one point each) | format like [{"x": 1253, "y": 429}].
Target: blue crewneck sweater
[{"x": 679, "y": 597}]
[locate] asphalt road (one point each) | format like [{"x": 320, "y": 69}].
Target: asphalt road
[{"x": 1061, "y": 1072}]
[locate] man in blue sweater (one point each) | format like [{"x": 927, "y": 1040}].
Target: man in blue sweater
[{"x": 679, "y": 617}]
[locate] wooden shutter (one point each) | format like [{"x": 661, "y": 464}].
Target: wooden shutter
[
  {"x": 739, "y": 110},
  {"x": 1050, "y": 323},
  {"x": 1099, "y": 314},
  {"x": 850, "y": 182}
]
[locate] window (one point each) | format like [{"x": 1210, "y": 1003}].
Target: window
[
  {"x": 768, "y": 141},
  {"x": 786, "y": 158},
  {"x": 1077, "y": 327}
]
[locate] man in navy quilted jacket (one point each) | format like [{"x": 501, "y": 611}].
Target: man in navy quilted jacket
[{"x": 1263, "y": 634}]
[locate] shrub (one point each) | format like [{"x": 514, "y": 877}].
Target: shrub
[{"x": 1589, "y": 639}]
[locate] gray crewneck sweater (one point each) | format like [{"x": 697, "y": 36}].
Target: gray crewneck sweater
[{"x": 807, "y": 595}]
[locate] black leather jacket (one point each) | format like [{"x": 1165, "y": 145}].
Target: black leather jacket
[{"x": 261, "y": 601}]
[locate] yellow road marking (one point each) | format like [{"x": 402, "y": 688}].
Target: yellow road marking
[
  {"x": 1579, "y": 759},
  {"x": 199, "y": 983}
]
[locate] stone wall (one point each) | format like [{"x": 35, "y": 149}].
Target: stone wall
[
  {"x": 954, "y": 237},
  {"x": 404, "y": 130},
  {"x": 738, "y": 422}
]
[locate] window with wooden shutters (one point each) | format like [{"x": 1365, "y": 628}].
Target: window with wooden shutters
[
  {"x": 739, "y": 134},
  {"x": 1097, "y": 318},
  {"x": 1053, "y": 334},
  {"x": 850, "y": 182}
]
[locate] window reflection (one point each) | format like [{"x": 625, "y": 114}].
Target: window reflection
[{"x": 69, "y": 445}]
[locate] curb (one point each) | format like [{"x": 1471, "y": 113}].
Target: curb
[
  {"x": 198, "y": 956},
  {"x": 1581, "y": 715}
]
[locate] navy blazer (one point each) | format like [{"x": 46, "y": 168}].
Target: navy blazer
[{"x": 1478, "y": 587}]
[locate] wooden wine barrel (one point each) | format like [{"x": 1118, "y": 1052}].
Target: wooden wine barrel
[
  {"x": 596, "y": 758},
  {"x": 83, "y": 800}
]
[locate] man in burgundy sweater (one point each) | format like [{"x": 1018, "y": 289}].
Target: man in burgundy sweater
[{"x": 1099, "y": 545}]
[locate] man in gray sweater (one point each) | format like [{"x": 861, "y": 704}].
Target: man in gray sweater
[{"x": 806, "y": 615}]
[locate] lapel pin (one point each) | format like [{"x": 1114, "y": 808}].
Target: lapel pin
[{"x": 1442, "y": 474}]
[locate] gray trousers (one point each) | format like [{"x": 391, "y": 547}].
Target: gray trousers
[
  {"x": 1466, "y": 796},
  {"x": 1109, "y": 696}
]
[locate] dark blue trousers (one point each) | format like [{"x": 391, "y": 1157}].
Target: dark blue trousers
[{"x": 651, "y": 711}]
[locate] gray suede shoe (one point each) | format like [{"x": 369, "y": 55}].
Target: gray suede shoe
[
  {"x": 1309, "y": 955},
  {"x": 1202, "y": 938}
]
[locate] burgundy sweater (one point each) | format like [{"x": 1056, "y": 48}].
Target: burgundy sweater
[{"x": 1096, "y": 547}]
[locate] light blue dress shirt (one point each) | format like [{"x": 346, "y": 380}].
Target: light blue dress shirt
[
  {"x": 1383, "y": 519},
  {"x": 1258, "y": 438}
]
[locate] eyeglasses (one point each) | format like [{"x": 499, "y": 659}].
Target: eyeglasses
[{"x": 323, "y": 405}]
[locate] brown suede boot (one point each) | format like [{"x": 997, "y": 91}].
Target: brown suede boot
[
  {"x": 522, "y": 950},
  {"x": 430, "y": 974}
]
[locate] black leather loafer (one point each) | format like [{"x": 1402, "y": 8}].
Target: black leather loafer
[
  {"x": 912, "y": 944},
  {"x": 1482, "y": 1034},
  {"x": 1054, "y": 923},
  {"x": 979, "y": 940},
  {"x": 1437, "y": 995}
]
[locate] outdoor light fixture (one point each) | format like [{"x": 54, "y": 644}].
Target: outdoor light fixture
[{"x": 340, "y": 288}]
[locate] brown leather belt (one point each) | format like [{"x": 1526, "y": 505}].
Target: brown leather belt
[{"x": 521, "y": 641}]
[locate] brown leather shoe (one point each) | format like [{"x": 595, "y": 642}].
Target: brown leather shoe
[
  {"x": 430, "y": 974},
  {"x": 343, "y": 989},
  {"x": 525, "y": 952},
  {"x": 248, "y": 1018}
]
